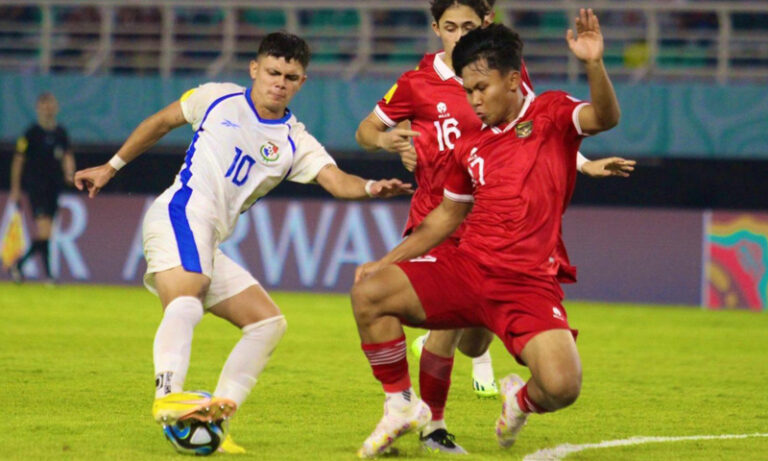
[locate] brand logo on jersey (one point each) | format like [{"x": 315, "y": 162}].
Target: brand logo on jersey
[
  {"x": 269, "y": 152},
  {"x": 557, "y": 313},
  {"x": 230, "y": 124},
  {"x": 442, "y": 110},
  {"x": 524, "y": 129}
]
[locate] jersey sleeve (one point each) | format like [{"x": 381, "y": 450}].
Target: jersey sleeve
[
  {"x": 22, "y": 144},
  {"x": 195, "y": 102},
  {"x": 309, "y": 156},
  {"x": 65, "y": 140},
  {"x": 564, "y": 110},
  {"x": 527, "y": 84},
  {"x": 397, "y": 104},
  {"x": 458, "y": 183}
]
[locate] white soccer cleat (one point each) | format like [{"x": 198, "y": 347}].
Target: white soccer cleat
[
  {"x": 512, "y": 418},
  {"x": 396, "y": 422}
]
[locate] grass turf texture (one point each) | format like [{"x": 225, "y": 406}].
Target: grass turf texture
[{"x": 76, "y": 374}]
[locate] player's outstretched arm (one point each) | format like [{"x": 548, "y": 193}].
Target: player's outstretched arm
[
  {"x": 436, "y": 227},
  {"x": 603, "y": 113},
  {"x": 143, "y": 137},
  {"x": 17, "y": 168},
  {"x": 347, "y": 186}
]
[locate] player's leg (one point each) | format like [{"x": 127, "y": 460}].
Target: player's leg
[
  {"x": 538, "y": 335},
  {"x": 474, "y": 343},
  {"x": 181, "y": 293},
  {"x": 236, "y": 296},
  {"x": 179, "y": 257},
  {"x": 430, "y": 293},
  {"x": 435, "y": 366},
  {"x": 378, "y": 303},
  {"x": 44, "y": 226}
]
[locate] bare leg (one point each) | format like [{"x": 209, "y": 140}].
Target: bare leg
[{"x": 555, "y": 369}]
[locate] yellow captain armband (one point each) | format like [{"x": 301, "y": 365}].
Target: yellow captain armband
[
  {"x": 390, "y": 93},
  {"x": 187, "y": 94},
  {"x": 22, "y": 144}
]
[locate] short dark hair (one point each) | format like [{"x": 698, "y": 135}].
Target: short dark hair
[
  {"x": 497, "y": 44},
  {"x": 438, "y": 7},
  {"x": 45, "y": 96},
  {"x": 285, "y": 45},
  {"x": 490, "y": 3}
]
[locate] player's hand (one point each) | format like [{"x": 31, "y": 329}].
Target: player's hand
[
  {"x": 397, "y": 140},
  {"x": 588, "y": 46},
  {"x": 611, "y": 166},
  {"x": 409, "y": 159},
  {"x": 93, "y": 179},
  {"x": 385, "y": 188},
  {"x": 366, "y": 270}
]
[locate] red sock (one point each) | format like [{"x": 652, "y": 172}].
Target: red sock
[
  {"x": 389, "y": 364},
  {"x": 526, "y": 404},
  {"x": 434, "y": 381}
]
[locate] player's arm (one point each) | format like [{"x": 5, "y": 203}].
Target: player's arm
[
  {"x": 436, "y": 227},
  {"x": 143, "y": 137},
  {"x": 348, "y": 186},
  {"x": 603, "y": 113},
  {"x": 68, "y": 167},
  {"x": 17, "y": 168},
  {"x": 373, "y": 134}
]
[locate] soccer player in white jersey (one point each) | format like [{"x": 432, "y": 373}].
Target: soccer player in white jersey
[{"x": 246, "y": 142}]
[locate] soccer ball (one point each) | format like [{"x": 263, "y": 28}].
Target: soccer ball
[{"x": 194, "y": 437}]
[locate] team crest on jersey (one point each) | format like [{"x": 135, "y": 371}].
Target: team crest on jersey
[
  {"x": 524, "y": 129},
  {"x": 269, "y": 152}
]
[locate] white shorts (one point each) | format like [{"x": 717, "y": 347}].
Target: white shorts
[{"x": 193, "y": 244}]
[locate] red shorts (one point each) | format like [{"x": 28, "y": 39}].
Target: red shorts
[{"x": 456, "y": 292}]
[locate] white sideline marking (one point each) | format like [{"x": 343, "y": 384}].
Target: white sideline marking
[{"x": 561, "y": 451}]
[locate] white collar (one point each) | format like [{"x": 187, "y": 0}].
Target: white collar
[
  {"x": 442, "y": 69},
  {"x": 526, "y": 103}
]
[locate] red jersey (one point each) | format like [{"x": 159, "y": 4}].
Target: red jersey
[
  {"x": 433, "y": 99},
  {"x": 521, "y": 178}
]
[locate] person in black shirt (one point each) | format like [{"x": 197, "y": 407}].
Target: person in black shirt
[{"x": 44, "y": 156}]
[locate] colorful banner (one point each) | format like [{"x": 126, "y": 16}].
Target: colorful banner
[{"x": 736, "y": 252}]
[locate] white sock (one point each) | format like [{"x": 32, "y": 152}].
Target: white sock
[
  {"x": 434, "y": 425},
  {"x": 173, "y": 343},
  {"x": 482, "y": 368},
  {"x": 400, "y": 400},
  {"x": 248, "y": 358}
]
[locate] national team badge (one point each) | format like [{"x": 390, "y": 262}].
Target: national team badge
[
  {"x": 269, "y": 152},
  {"x": 524, "y": 129}
]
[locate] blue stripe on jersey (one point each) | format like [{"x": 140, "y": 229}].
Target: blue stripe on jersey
[
  {"x": 293, "y": 146},
  {"x": 185, "y": 240},
  {"x": 266, "y": 121},
  {"x": 177, "y": 208}
]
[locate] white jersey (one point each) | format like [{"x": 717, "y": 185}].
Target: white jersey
[{"x": 236, "y": 157}]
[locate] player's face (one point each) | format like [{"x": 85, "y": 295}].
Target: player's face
[
  {"x": 275, "y": 82},
  {"x": 457, "y": 21},
  {"x": 495, "y": 97},
  {"x": 47, "y": 108}
]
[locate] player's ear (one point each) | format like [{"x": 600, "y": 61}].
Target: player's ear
[
  {"x": 253, "y": 68},
  {"x": 513, "y": 79},
  {"x": 436, "y": 28}
]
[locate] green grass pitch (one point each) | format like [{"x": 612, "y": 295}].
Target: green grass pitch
[{"x": 77, "y": 382}]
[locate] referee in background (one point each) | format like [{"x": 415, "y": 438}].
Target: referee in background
[{"x": 45, "y": 160}]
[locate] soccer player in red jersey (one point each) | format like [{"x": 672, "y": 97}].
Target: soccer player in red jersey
[
  {"x": 516, "y": 174},
  {"x": 432, "y": 99}
]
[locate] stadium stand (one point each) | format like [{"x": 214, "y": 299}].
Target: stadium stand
[{"x": 720, "y": 41}]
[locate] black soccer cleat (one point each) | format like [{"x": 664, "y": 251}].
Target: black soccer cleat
[{"x": 441, "y": 441}]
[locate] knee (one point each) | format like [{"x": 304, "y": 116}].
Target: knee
[
  {"x": 364, "y": 304},
  {"x": 268, "y": 331},
  {"x": 474, "y": 345},
  {"x": 563, "y": 390}
]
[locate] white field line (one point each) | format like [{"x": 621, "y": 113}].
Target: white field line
[{"x": 561, "y": 451}]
